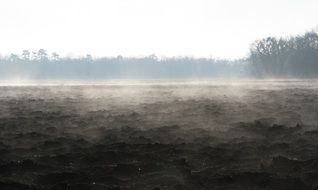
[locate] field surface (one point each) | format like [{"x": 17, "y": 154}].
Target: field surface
[{"x": 260, "y": 134}]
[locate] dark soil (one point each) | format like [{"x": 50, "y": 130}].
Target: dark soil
[{"x": 101, "y": 138}]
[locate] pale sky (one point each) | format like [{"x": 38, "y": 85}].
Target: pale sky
[{"x": 199, "y": 28}]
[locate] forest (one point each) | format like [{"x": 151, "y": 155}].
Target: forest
[
  {"x": 296, "y": 56},
  {"x": 271, "y": 57},
  {"x": 40, "y": 65}
]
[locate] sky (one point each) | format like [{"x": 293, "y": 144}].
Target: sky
[{"x": 198, "y": 28}]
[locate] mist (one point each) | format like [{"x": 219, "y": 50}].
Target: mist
[
  {"x": 158, "y": 95},
  {"x": 88, "y": 68},
  {"x": 271, "y": 57}
]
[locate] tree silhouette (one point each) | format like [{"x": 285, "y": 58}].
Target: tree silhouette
[
  {"x": 42, "y": 55},
  {"x": 26, "y": 55},
  {"x": 55, "y": 56},
  {"x": 14, "y": 58},
  {"x": 295, "y": 56}
]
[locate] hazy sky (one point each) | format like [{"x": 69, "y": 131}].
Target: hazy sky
[{"x": 218, "y": 28}]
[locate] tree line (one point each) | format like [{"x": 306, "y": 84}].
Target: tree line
[
  {"x": 296, "y": 56},
  {"x": 42, "y": 65}
]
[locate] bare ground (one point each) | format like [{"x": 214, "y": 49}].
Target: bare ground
[{"x": 181, "y": 135}]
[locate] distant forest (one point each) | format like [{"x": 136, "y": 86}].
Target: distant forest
[
  {"x": 270, "y": 57},
  {"x": 39, "y": 65}
]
